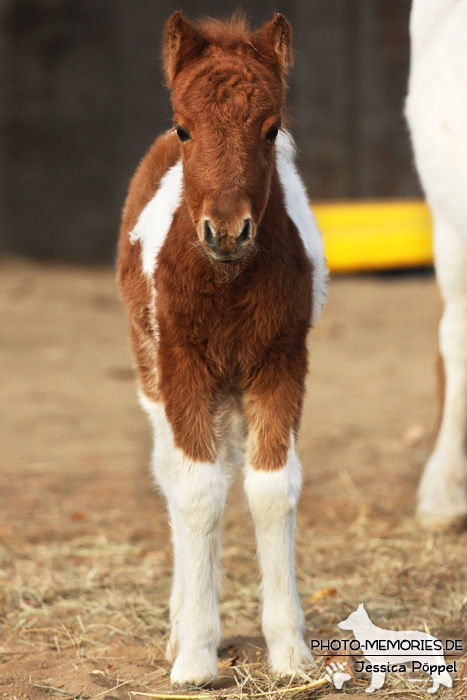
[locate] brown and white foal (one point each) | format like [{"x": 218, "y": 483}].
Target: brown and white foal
[{"x": 222, "y": 270}]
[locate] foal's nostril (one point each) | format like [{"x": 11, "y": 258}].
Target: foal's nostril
[
  {"x": 245, "y": 234},
  {"x": 208, "y": 235}
]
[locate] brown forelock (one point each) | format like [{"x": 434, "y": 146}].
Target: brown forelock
[
  {"x": 271, "y": 45},
  {"x": 247, "y": 335},
  {"x": 227, "y": 101},
  {"x": 133, "y": 284}
]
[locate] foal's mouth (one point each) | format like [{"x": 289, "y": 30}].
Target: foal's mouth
[{"x": 226, "y": 261}]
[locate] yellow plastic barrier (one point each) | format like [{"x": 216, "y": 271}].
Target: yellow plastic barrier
[{"x": 375, "y": 235}]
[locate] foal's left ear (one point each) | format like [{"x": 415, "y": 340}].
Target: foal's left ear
[
  {"x": 273, "y": 43},
  {"x": 182, "y": 42}
]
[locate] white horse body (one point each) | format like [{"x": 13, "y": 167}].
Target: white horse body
[{"x": 436, "y": 110}]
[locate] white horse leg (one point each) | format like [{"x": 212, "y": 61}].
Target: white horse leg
[
  {"x": 442, "y": 499},
  {"x": 272, "y": 497},
  {"x": 199, "y": 494},
  {"x": 176, "y": 595},
  {"x": 196, "y": 494}
]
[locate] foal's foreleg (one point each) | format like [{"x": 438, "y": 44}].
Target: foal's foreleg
[
  {"x": 272, "y": 485},
  {"x": 272, "y": 496},
  {"x": 176, "y": 595},
  {"x": 199, "y": 491},
  {"x": 195, "y": 493}
]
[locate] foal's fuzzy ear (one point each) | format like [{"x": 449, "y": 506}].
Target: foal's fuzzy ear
[
  {"x": 182, "y": 42},
  {"x": 273, "y": 43}
]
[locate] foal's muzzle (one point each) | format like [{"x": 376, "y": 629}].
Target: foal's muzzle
[{"x": 225, "y": 247}]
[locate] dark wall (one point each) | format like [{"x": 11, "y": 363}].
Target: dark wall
[
  {"x": 348, "y": 90},
  {"x": 81, "y": 99}
]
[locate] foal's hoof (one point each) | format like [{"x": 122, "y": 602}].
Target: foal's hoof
[{"x": 194, "y": 669}]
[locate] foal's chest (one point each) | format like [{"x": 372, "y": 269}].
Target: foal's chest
[{"x": 229, "y": 324}]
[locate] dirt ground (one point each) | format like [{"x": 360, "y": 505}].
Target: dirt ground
[{"x": 85, "y": 557}]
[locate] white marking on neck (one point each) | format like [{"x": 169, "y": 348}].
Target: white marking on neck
[
  {"x": 156, "y": 218},
  {"x": 298, "y": 208}
]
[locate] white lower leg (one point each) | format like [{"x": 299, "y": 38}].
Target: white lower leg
[
  {"x": 195, "y": 494},
  {"x": 199, "y": 492},
  {"x": 176, "y": 596},
  {"x": 442, "y": 499},
  {"x": 272, "y": 496}
]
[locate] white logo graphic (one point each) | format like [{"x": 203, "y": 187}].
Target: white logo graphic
[
  {"x": 336, "y": 674},
  {"x": 387, "y": 650}
]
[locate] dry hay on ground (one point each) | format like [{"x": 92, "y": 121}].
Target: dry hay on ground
[
  {"x": 93, "y": 613},
  {"x": 85, "y": 561}
]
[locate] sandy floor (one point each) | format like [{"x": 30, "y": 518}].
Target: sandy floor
[{"x": 85, "y": 557}]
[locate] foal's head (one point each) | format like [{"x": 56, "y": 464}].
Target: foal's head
[{"x": 227, "y": 93}]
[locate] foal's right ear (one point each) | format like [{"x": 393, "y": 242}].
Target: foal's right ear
[{"x": 182, "y": 42}]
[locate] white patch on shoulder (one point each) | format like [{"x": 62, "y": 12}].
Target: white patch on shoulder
[
  {"x": 155, "y": 219},
  {"x": 298, "y": 208}
]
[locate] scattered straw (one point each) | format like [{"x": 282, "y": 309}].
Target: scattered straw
[
  {"x": 119, "y": 615},
  {"x": 120, "y": 685},
  {"x": 57, "y": 691},
  {"x": 198, "y": 696}
]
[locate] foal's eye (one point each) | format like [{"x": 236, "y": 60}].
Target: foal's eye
[
  {"x": 183, "y": 135},
  {"x": 272, "y": 134}
]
